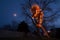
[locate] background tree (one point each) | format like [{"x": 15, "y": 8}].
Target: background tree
[
  {"x": 7, "y": 27},
  {"x": 23, "y": 27}
]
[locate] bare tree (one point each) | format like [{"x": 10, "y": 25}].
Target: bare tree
[{"x": 44, "y": 6}]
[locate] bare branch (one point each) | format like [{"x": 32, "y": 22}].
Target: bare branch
[
  {"x": 45, "y": 4},
  {"x": 52, "y": 15}
]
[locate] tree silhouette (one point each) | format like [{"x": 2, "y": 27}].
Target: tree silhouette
[
  {"x": 7, "y": 27},
  {"x": 23, "y": 27},
  {"x": 14, "y": 25}
]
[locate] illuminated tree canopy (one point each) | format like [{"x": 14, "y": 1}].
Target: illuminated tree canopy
[{"x": 49, "y": 7}]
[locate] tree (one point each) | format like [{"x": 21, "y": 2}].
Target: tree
[
  {"x": 44, "y": 6},
  {"x": 7, "y": 27},
  {"x": 14, "y": 25},
  {"x": 23, "y": 27}
]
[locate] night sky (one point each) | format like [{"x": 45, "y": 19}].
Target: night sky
[{"x": 11, "y": 10}]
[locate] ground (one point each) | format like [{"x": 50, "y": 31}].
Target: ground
[{"x": 14, "y": 35}]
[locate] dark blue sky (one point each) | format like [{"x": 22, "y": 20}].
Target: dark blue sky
[{"x": 10, "y": 7}]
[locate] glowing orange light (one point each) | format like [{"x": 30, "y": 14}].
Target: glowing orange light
[
  {"x": 36, "y": 10},
  {"x": 38, "y": 15}
]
